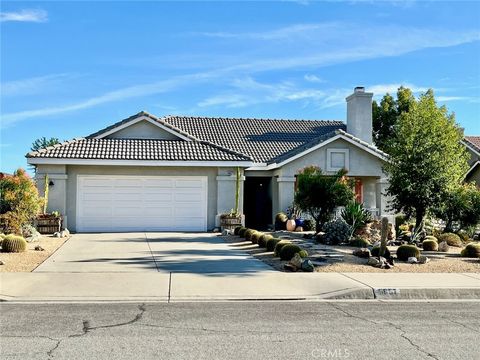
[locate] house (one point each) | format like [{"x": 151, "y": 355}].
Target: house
[
  {"x": 178, "y": 173},
  {"x": 472, "y": 143}
]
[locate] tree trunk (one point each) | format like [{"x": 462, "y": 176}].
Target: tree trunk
[{"x": 384, "y": 235}]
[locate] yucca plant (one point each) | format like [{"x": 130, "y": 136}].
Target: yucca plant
[{"x": 355, "y": 215}]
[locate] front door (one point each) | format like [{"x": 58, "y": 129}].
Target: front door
[{"x": 258, "y": 202}]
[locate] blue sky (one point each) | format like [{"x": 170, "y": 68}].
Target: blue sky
[{"x": 71, "y": 68}]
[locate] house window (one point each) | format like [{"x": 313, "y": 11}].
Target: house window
[{"x": 337, "y": 159}]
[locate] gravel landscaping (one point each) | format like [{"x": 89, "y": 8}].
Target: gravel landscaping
[
  {"x": 30, "y": 259},
  {"x": 340, "y": 259}
]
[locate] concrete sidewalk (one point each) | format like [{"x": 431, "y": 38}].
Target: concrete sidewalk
[{"x": 172, "y": 287}]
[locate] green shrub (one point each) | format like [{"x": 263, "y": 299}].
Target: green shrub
[
  {"x": 288, "y": 251},
  {"x": 430, "y": 245},
  {"x": 451, "y": 239},
  {"x": 256, "y": 236},
  {"x": 472, "y": 250},
  {"x": 431, "y": 237},
  {"x": 248, "y": 234},
  {"x": 242, "y": 231},
  {"x": 13, "y": 243},
  {"x": 262, "y": 242},
  {"x": 309, "y": 225},
  {"x": 463, "y": 236},
  {"x": 236, "y": 230},
  {"x": 399, "y": 220},
  {"x": 303, "y": 254},
  {"x": 279, "y": 246},
  {"x": 406, "y": 251},
  {"x": 336, "y": 232},
  {"x": 359, "y": 242},
  {"x": 271, "y": 243},
  {"x": 376, "y": 251}
]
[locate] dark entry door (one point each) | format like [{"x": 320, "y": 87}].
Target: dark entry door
[{"x": 258, "y": 202}]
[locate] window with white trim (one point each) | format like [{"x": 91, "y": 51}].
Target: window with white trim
[{"x": 337, "y": 159}]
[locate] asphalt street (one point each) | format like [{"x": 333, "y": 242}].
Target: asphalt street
[{"x": 242, "y": 330}]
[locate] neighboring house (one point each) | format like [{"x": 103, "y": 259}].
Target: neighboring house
[
  {"x": 472, "y": 143},
  {"x": 178, "y": 173}
]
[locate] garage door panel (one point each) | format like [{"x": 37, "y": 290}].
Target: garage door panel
[{"x": 122, "y": 203}]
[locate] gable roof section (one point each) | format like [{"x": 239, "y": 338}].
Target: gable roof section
[
  {"x": 137, "y": 149},
  {"x": 264, "y": 140},
  {"x": 472, "y": 168},
  {"x": 473, "y": 142}
]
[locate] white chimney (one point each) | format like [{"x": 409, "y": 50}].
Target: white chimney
[{"x": 359, "y": 114}]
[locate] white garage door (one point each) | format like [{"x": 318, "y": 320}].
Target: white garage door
[{"x": 145, "y": 203}]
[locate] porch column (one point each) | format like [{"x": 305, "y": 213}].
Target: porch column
[
  {"x": 57, "y": 193},
  {"x": 226, "y": 189},
  {"x": 286, "y": 192}
]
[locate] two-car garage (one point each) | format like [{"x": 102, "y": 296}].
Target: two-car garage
[{"x": 111, "y": 203}]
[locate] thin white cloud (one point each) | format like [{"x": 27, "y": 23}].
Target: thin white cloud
[
  {"x": 26, "y": 15},
  {"x": 470, "y": 99},
  {"x": 382, "y": 89},
  {"x": 313, "y": 78},
  {"x": 31, "y": 85},
  {"x": 112, "y": 96}
]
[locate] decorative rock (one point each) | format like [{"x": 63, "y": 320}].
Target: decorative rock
[
  {"x": 412, "y": 260},
  {"x": 290, "y": 267},
  {"x": 423, "y": 259},
  {"x": 362, "y": 253},
  {"x": 39, "y": 248},
  {"x": 443, "y": 247},
  {"x": 296, "y": 260},
  {"x": 57, "y": 234},
  {"x": 226, "y": 232},
  {"x": 373, "y": 262},
  {"x": 63, "y": 234},
  {"x": 307, "y": 266},
  {"x": 67, "y": 231},
  {"x": 2, "y": 263}
]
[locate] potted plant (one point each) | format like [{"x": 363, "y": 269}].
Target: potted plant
[{"x": 234, "y": 218}]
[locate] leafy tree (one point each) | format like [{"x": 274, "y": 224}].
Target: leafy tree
[
  {"x": 43, "y": 142},
  {"x": 461, "y": 206},
  {"x": 19, "y": 201},
  {"x": 386, "y": 115},
  {"x": 426, "y": 159},
  {"x": 320, "y": 194}
]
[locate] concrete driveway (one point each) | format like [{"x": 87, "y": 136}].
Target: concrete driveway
[{"x": 151, "y": 252}]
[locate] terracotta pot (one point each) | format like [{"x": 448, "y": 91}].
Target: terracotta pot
[{"x": 291, "y": 225}]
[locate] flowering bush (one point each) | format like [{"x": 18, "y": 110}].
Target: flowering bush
[{"x": 19, "y": 201}]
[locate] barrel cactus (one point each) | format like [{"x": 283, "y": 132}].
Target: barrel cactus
[
  {"x": 406, "y": 251},
  {"x": 249, "y": 233},
  {"x": 14, "y": 244},
  {"x": 336, "y": 232},
  {"x": 262, "y": 241},
  {"x": 271, "y": 243},
  {"x": 360, "y": 242},
  {"x": 431, "y": 237},
  {"x": 451, "y": 239},
  {"x": 375, "y": 252},
  {"x": 236, "y": 231},
  {"x": 472, "y": 250},
  {"x": 256, "y": 236},
  {"x": 242, "y": 231},
  {"x": 279, "y": 246},
  {"x": 430, "y": 245},
  {"x": 288, "y": 251}
]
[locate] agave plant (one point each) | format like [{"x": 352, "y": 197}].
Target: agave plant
[{"x": 355, "y": 215}]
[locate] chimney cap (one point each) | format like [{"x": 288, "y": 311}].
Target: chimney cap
[{"x": 359, "y": 89}]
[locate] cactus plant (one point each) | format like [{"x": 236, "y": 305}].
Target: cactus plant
[
  {"x": 262, "y": 241},
  {"x": 256, "y": 236},
  {"x": 288, "y": 251},
  {"x": 303, "y": 254},
  {"x": 359, "y": 242},
  {"x": 431, "y": 237},
  {"x": 430, "y": 245},
  {"x": 375, "y": 252},
  {"x": 242, "y": 231},
  {"x": 236, "y": 230},
  {"x": 13, "y": 243},
  {"x": 336, "y": 232},
  {"x": 271, "y": 243},
  {"x": 451, "y": 239},
  {"x": 279, "y": 246},
  {"x": 472, "y": 250},
  {"x": 248, "y": 234},
  {"x": 406, "y": 251}
]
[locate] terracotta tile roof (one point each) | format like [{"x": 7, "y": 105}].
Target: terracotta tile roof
[
  {"x": 264, "y": 140},
  {"x": 138, "y": 149},
  {"x": 474, "y": 141}
]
